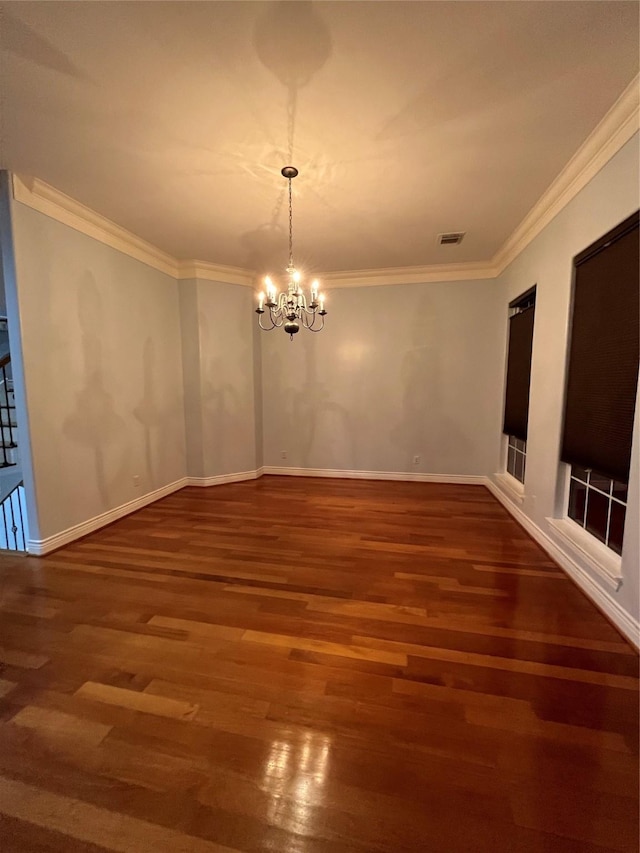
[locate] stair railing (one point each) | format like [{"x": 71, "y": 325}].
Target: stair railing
[
  {"x": 13, "y": 520},
  {"x": 6, "y": 414}
]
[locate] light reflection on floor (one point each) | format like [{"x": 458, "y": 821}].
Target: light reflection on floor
[{"x": 295, "y": 776}]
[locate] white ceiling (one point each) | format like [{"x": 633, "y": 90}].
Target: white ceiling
[{"x": 404, "y": 119}]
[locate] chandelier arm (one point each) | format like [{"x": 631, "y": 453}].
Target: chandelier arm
[
  {"x": 316, "y": 315},
  {"x": 266, "y": 328},
  {"x": 275, "y": 315},
  {"x": 304, "y": 319},
  {"x": 311, "y": 329}
]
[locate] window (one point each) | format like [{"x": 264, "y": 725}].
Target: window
[
  {"x": 598, "y": 504},
  {"x": 602, "y": 382},
  {"x": 516, "y": 406},
  {"x": 516, "y": 457}
]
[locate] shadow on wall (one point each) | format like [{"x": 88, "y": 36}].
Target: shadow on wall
[
  {"x": 428, "y": 376},
  {"x": 94, "y": 423},
  {"x": 149, "y": 413},
  {"x": 264, "y": 245},
  {"x": 23, "y": 41},
  {"x": 227, "y": 417},
  {"x": 464, "y": 82},
  {"x": 317, "y": 425},
  {"x": 292, "y": 42},
  {"x": 420, "y": 377}
]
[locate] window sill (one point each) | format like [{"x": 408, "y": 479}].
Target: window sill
[
  {"x": 582, "y": 545},
  {"x": 511, "y": 487}
]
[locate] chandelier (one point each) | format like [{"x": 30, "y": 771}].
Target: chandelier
[{"x": 289, "y": 309}]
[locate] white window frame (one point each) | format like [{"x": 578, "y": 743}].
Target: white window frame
[
  {"x": 610, "y": 500},
  {"x": 509, "y": 484},
  {"x": 506, "y": 462},
  {"x": 579, "y": 543}
]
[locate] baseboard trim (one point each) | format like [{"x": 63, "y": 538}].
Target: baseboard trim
[
  {"x": 625, "y": 623},
  {"x": 603, "y": 600},
  {"x": 345, "y": 474},
  {"x": 40, "y": 547},
  {"x": 220, "y": 479},
  {"x": 513, "y": 490}
]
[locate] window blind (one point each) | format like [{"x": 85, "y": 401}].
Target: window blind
[
  {"x": 603, "y": 354},
  {"x": 516, "y": 404}
]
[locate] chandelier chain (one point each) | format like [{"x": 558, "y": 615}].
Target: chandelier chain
[{"x": 290, "y": 228}]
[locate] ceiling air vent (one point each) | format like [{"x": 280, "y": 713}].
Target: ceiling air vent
[{"x": 451, "y": 239}]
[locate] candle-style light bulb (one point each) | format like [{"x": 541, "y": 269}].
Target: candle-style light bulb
[
  {"x": 271, "y": 291},
  {"x": 261, "y": 300}
]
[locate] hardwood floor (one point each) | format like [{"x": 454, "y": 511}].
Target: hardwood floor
[{"x": 312, "y": 666}]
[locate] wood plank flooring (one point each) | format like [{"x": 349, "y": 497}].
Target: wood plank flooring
[{"x": 298, "y": 665}]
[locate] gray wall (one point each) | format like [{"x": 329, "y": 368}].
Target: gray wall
[
  {"x": 190, "y": 338},
  {"x": 102, "y": 370},
  {"x": 609, "y": 198},
  {"x": 128, "y": 372},
  {"x": 397, "y": 372},
  {"x": 219, "y": 369}
]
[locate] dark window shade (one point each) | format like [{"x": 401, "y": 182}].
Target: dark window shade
[
  {"x": 516, "y": 405},
  {"x": 603, "y": 355}
]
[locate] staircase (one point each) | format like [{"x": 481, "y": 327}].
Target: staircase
[
  {"x": 8, "y": 445},
  {"x": 13, "y": 520},
  {"x": 13, "y": 513}
]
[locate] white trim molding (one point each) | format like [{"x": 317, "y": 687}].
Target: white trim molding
[
  {"x": 472, "y": 271},
  {"x": 510, "y": 486},
  {"x": 220, "y": 479},
  {"x": 46, "y": 199},
  {"x": 39, "y": 547},
  {"x": 601, "y": 597},
  {"x": 216, "y": 272},
  {"x": 345, "y": 474},
  {"x": 615, "y": 129},
  {"x": 602, "y": 561}
]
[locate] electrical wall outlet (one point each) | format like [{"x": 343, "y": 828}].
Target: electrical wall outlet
[
  {"x": 283, "y": 454},
  {"x": 136, "y": 481},
  {"x": 416, "y": 460}
]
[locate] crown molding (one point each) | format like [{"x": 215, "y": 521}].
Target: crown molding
[
  {"x": 615, "y": 130},
  {"x": 408, "y": 275},
  {"x": 46, "y": 199},
  {"x": 216, "y": 272}
]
